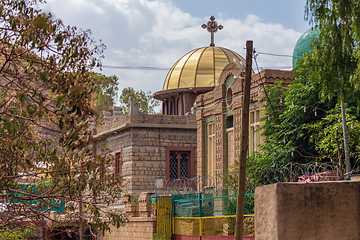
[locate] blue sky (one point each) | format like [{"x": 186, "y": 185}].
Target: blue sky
[
  {"x": 156, "y": 33},
  {"x": 290, "y": 13}
]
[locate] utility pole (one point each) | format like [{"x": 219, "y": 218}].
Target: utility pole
[{"x": 244, "y": 144}]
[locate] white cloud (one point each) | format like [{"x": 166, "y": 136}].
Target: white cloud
[{"x": 156, "y": 33}]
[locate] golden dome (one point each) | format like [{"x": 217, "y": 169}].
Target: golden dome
[{"x": 200, "y": 68}]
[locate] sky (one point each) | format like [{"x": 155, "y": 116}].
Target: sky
[{"x": 156, "y": 33}]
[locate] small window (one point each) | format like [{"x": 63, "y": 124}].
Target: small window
[
  {"x": 257, "y": 117},
  {"x": 118, "y": 164},
  {"x": 179, "y": 165},
  {"x": 230, "y": 122},
  {"x": 252, "y": 117},
  {"x": 102, "y": 169},
  {"x": 229, "y": 97},
  {"x": 210, "y": 155}
]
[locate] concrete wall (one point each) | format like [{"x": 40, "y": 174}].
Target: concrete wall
[{"x": 322, "y": 210}]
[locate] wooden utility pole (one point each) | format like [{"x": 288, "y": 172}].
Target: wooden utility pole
[{"x": 244, "y": 144}]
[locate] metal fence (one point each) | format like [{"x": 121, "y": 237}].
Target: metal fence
[
  {"x": 291, "y": 172},
  {"x": 210, "y": 203},
  {"x": 206, "y": 206},
  {"x": 210, "y": 213}
]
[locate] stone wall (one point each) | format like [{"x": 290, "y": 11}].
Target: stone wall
[
  {"x": 152, "y": 120},
  {"x": 321, "y": 210},
  {"x": 135, "y": 229},
  {"x": 141, "y": 224},
  {"x": 217, "y": 106},
  {"x": 143, "y": 141}
]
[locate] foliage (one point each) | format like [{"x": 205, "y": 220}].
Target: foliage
[
  {"x": 299, "y": 123},
  {"x": 106, "y": 92},
  {"x": 329, "y": 141},
  {"x": 285, "y": 139},
  {"x": 45, "y": 107},
  {"x": 158, "y": 237},
  {"x": 296, "y": 129},
  {"x": 334, "y": 61},
  {"x": 145, "y": 100},
  {"x": 295, "y": 119},
  {"x": 20, "y": 233},
  {"x": 286, "y": 131}
]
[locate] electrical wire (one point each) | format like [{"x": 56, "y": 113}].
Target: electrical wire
[
  {"x": 279, "y": 55},
  {"x": 137, "y": 68},
  {"x": 285, "y": 137}
]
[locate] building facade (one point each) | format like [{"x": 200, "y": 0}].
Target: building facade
[
  {"x": 151, "y": 152},
  {"x": 218, "y": 118}
]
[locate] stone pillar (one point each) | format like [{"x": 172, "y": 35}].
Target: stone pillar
[
  {"x": 117, "y": 112},
  {"x": 107, "y": 116},
  {"x": 133, "y": 106},
  {"x": 130, "y": 206},
  {"x": 144, "y": 204},
  {"x": 200, "y": 171}
]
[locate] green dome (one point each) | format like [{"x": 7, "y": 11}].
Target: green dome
[{"x": 303, "y": 44}]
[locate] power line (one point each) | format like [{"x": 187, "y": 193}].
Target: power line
[
  {"x": 147, "y": 68},
  {"x": 137, "y": 68},
  {"x": 278, "y": 55},
  {"x": 277, "y": 125}
]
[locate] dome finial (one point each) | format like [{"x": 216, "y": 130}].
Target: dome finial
[{"x": 212, "y": 27}]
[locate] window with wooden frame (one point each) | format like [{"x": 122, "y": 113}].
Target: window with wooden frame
[
  {"x": 210, "y": 153},
  {"x": 180, "y": 164},
  {"x": 117, "y": 163},
  {"x": 102, "y": 168},
  {"x": 254, "y": 134}
]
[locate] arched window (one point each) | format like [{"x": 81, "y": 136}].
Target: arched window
[
  {"x": 180, "y": 105},
  {"x": 164, "y": 108},
  {"x": 171, "y": 107}
]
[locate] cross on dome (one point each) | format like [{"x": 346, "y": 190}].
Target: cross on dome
[{"x": 212, "y": 27}]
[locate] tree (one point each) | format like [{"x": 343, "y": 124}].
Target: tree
[
  {"x": 328, "y": 140},
  {"x": 106, "y": 93},
  {"x": 296, "y": 120},
  {"x": 301, "y": 124},
  {"x": 47, "y": 83},
  {"x": 335, "y": 58},
  {"x": 299, "y": 127},
  {"x": 145, "y": 100},
  {"x": 20, "y": 233}
]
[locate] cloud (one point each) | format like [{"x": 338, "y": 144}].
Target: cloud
[{"x": 156, "y": 33}]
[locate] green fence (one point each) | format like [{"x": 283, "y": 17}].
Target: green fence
[
  {"x": 210, "y": 203},
  {"x": 211, "y": 213},
  {"x": 37, "y": 204}
]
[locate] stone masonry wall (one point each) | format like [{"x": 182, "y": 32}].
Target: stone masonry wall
[
  {"x": 135, "y": 229},
  {"x": 143, "y": 140},
  {"x": 212, "y": 104}
]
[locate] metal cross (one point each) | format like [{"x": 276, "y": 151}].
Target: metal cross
[{"x": 212, "y": 27}]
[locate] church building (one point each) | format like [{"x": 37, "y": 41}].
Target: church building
[
  {"x": 195, "y": 140},
  {"x": 197, "y": 137},
  {"x": 218, "y": 118}
]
